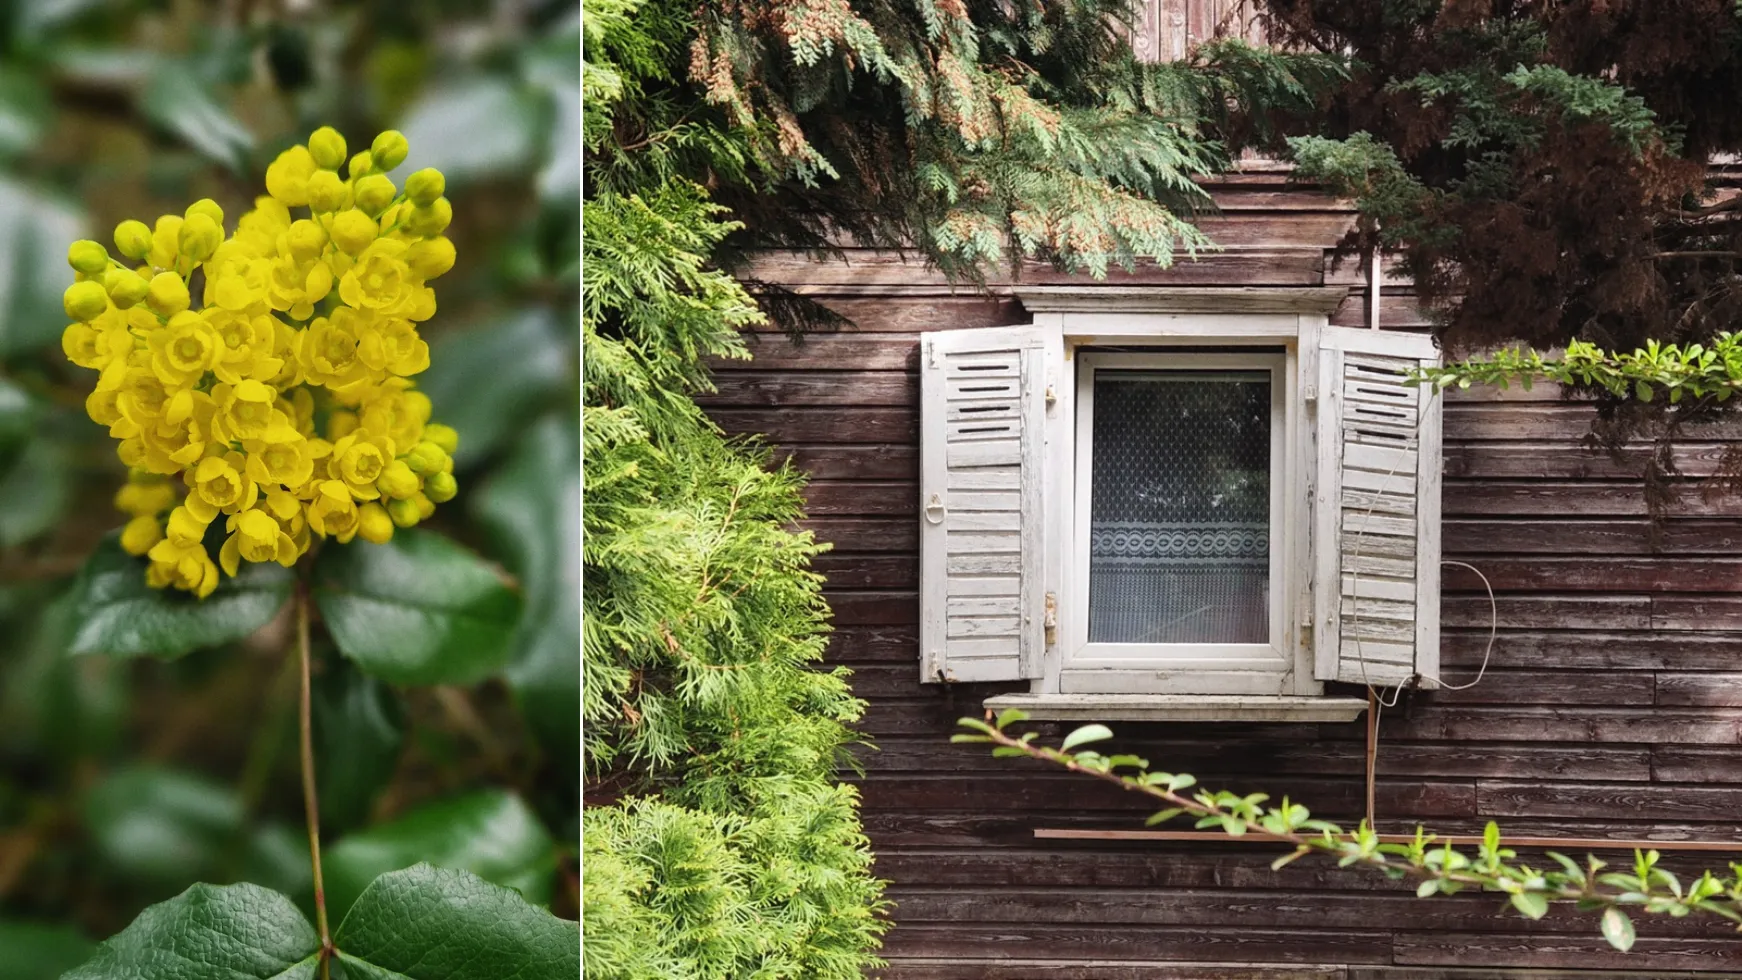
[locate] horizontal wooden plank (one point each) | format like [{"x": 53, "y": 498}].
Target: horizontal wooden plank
[
  {"x": 1716, "y": 690},
  {"x": 859, "y": 644},
  {"x": 1696, "y": 612},
  {"x": 1586, "y": 498},
  {"x": 854, "y": 462},
  {"x": 966, "y": 309},
  {"x": 1034, "y": 792},
  {"x": 1637, "y": 801},
  {"x": 1503, "y": 686},
  {"x": 1609, "y": 612},
  {"x": 865, "y": 571},
  {"x": 1593, "y": 651},
  {"x": 863, "y": 498},
  {"x": 1572, "y": 461},
  {"x": 830, "y": 352},
  {"x": 845, "y": 426},
  {"x": 1209, "y": 755},
  {"x": 1696, "y": 763},
  {"x": 1565, "y": 423},
  {"x": 1571, "y": 536},
  {"x": 796, "y": 389},
  {"x": 1005, "y": 968},
  {"x": 1588, "y": 952},
  {"x": 866, "y": 534},
  {"x": 874, "y": 608},
  {"x": 1577, "y": 724},
  {"x": 1248, "y": 909},
  {"x": 1554, "y": 574},
  {"x": 1266, "y": 264},
  {"x": 1112, "y": 943}
]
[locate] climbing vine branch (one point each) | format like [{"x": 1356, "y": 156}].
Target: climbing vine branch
[
  {"x": 1437, "y": 867},
  {"x": 1707, "y": 371}
]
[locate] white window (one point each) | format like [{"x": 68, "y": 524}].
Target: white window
[{"x": 1161, "y": 503}]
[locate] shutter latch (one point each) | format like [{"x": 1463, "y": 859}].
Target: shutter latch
[
  {"x": 1051, "y": 622},
  {"x": 934, "y": 510}
]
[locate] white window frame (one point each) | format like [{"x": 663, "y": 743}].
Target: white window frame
[
  {"x": 1157, "y": 320},
  {"x": 1078, "y": 653}
]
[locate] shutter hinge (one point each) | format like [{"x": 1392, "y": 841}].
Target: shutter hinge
[
  {"x": 1051, "y": 396},
  {"x": 931, "y": 352},
  {"x": 1051, "y": 622},
  {"x": 1309, "y": 393}
]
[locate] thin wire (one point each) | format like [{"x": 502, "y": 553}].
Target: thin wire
[{"x": 1355, "y": 585}]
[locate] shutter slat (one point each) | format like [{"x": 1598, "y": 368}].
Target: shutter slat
[
  {"x": 981, "y": 420},
  {"x": 1376, "y": 521}
]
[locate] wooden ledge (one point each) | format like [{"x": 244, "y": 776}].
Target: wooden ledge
[
  {"x": 1180, "y": 707},
  {"x": 1181, "y": 299}
]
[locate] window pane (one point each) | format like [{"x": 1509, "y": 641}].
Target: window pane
[{"x": 1179, "y": 526}]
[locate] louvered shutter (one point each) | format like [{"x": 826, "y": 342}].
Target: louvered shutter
[
  {"x": 1376, "y": 533},
  {"x": 982, "y": 416}
]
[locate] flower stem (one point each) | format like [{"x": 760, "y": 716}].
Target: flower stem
[{"x": 311, "y": 804}]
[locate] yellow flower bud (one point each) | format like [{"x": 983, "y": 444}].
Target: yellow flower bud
[
  {"x": 398, "y": 481},
  {"x": 424, "y": 186},
  {"x": 167, "y": 294},
  {"x": 430, "y": 257},
  {"x": 440, "y": 487},
  {"x": 306, "y": 238},
  {"x": 85, "y": 301},
  {"x": 200, "y": 236},
  {"x": 389, "y": 149},
  {"x": 126, "y": 287},
  {"x": 404, "y": 512},
  {"x": 353, "y": 231},
  {"x": 327, "y": 147},
  {"x": 133, "y": 238},
  {"x": 362, "y": 164},
  {"x": 88, "y": 257},
  {"x": 184, "y": 528},
  {"x": 425, "y": 458},
  {"x": 287, "y": 177},
  {"x": 374, "y": 193},
  {"x": 442, "y": 435},
  {"x": 430, "y": 220},
  {"x": 326, "y": 191},
  {"x": 425, "y": 506},
  {"x": 341, "y": 424},
  {"x": 140, "y": 534},
  {"x": 374, "y": 523},
  {"x": 207, "y": 207}
]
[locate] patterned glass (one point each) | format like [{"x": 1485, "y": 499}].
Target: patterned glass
[{"x": 1179, "y": 526}]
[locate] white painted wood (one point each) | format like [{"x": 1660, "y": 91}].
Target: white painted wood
[
  {"x": 1222, "y": 301},
  {"x": 1176, "y": 707},
  {"x": 982, "y": 476},
  {"x": 1376, "y": 511}
]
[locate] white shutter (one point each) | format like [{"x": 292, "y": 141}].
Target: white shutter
[
  {"x": 982, "y": 418},
  {"x": 1376, "y": 531}
]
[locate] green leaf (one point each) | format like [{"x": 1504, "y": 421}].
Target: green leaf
[
  {"x": 1618, "y": 928},
  {"x": 161, "y": 826},
  {"x": 176, "y": 100},
  {"x": 121, "y": 616},
  {"x": 210, "y": 932},
  {"x": 359, "y": 727},
  {"x": 419, "y": 609},
  {"x": 1084, "y": 735},
  {"x": 480, "y": 127},
  {"x": 38, "y": 951},
  {"x": 488, "y": 381},
  {"x": 34, "y": 492},
  {"x": 428, "y": 923},
  {"x": 59, "y": 706},
  {"x": 34, "y": 232},
  {"x": 491, "y": 833},
  {"x": 1531, "y": 905},
  {"x": 532, "y": 506}
]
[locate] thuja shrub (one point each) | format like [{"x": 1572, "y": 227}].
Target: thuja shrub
[{"x": 259, "y": 380}]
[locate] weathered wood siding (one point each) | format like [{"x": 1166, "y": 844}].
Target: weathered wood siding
[{"x": 1612, "y": 706}]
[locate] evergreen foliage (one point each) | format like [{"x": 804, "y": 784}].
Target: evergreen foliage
[
  {"x": 718, "y": 843},
  {"x": 1543, "y": 166}
]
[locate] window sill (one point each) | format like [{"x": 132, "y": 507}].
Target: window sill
[{"x": 1180, "y": 707}]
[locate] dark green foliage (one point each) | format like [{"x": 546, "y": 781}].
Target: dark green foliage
[
  {"x": 119, "y": 615},
  {"x": 419, "y": 609}
]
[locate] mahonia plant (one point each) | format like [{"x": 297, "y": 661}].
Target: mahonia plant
[
  {"x": 283, "y": 403},
  {"x": 1436, "y": 866}
]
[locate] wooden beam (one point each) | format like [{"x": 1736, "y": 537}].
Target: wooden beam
[{"x": 1580, "y": 843}]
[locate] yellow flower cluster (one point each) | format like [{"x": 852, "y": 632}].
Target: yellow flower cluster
[{"x": 283, "y": 404}]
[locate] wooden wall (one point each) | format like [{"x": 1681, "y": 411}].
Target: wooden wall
[{"x": 1612, "y": 706}]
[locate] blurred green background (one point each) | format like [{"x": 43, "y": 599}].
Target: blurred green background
[{"x": 123, "y": 781}]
